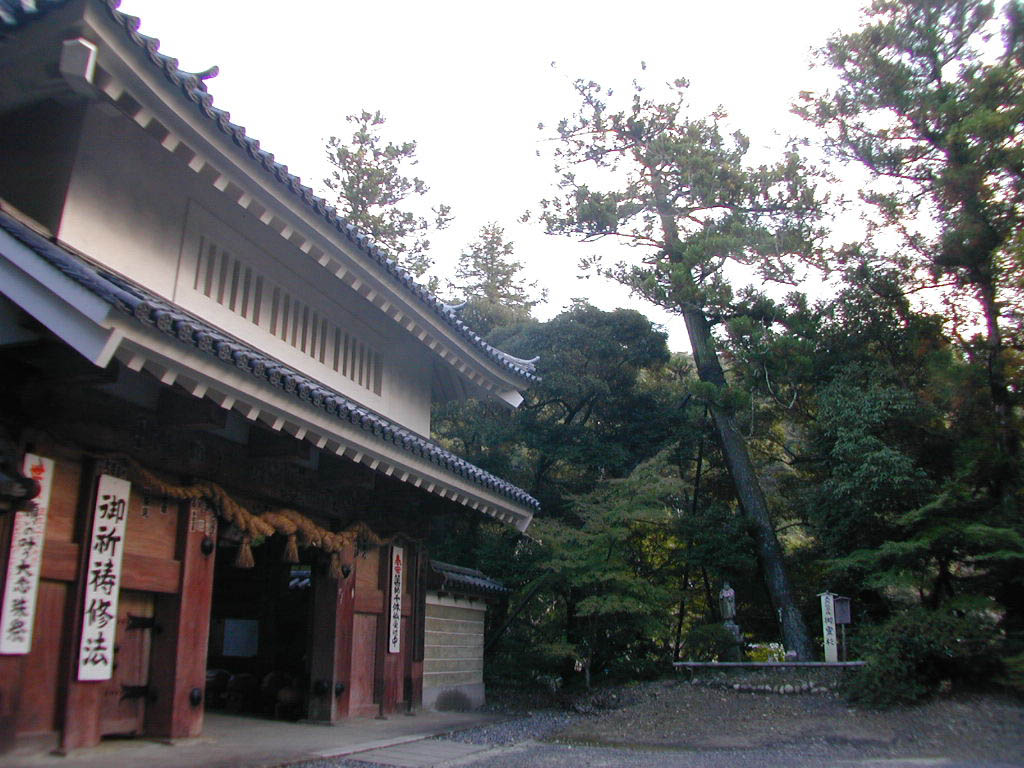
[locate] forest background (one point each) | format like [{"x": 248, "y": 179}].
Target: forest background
[
  {"x": 848, "y": 417},
  {"x": 866, "y": 442}
]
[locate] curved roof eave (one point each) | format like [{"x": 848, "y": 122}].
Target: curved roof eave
[
  {"x": 193, "y": 89},
  {"x": 154, "y": 312}
]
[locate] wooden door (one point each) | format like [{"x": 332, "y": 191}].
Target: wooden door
[
  {"x": 364, "y": 664},
  {"x": 124, "y": 697},
  {"x": 368, "y": 605}
]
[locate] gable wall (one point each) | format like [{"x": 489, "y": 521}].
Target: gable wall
[
  {"x": 37, "y": 145},
  {"x": 138, "y": 209}
]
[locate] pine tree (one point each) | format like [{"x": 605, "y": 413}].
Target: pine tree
[
  {"x": 488, "y": 278},
  {"x": 934, "y": 115},
  {"x": 372, "y": 192},
  {"x": 682, "y": 191}
]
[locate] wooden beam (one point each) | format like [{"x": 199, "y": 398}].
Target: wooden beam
[
  {"x": 82, "y": 700},
  {"x": 189, "y": 411},
  {"x": 178, "y": 653},
  {"x": 150, "y": 574}
]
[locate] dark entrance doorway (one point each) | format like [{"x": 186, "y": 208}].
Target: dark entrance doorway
[{"x": 258, "y": 661}]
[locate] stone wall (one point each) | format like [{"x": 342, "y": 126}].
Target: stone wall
[{"x": 453, "y": 653}]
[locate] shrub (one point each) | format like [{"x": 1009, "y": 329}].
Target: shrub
[
  {"x": 911, "y": 656},
  {"x": 709, "y": 642},
  {"x": 766, "y": 652},
  {"x": 1013, "y": 673},
  {"x": 453, "y": 701}
]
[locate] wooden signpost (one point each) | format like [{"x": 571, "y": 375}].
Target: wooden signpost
[{"x": 828, "y": 627}]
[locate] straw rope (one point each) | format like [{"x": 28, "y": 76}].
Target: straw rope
[{"x": 287, "y": 522}]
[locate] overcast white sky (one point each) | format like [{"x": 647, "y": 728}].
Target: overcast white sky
[{"x": 470, "y": 81}]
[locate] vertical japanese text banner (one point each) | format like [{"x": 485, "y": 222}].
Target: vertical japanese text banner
[
  {"x": 828, "y": 627},
  {"x": 395, "y": 607},
  {"x": 17, "y": 616},
  {"x": 103, "y": 579}
]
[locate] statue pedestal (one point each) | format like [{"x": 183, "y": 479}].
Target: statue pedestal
[{"x": 736, "y": 651}]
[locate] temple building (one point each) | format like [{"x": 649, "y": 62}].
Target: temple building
[{"x": 216, "y": 477}]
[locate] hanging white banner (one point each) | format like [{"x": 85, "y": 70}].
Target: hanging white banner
[
  {"x": 395, "y": 618},
  {"x": 28, "y": 533},
  {"x": 828, "y": 627},
  {"x": 103, "y": 579}
]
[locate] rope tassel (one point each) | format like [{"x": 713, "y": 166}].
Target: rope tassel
[
  {"x": 286, "y": 522},
  {"x": 291, "y": 549},
  {"x": 336, "y": 573},
  {"x": 244, "y": 557}
]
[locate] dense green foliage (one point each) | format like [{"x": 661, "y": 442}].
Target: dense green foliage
[
  {"x": 915, "y": 653},
  {"x": 881, "y": 422}
]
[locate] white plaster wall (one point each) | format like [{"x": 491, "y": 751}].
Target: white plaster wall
[
  {"x": 126, "y": 202},
  {"x": 133, "y": 206}
]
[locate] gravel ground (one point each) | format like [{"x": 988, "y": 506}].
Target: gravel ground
[{"x": 710, "y": 724}]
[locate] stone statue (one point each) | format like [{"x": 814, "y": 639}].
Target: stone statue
[{"x": 727, "y": 602}]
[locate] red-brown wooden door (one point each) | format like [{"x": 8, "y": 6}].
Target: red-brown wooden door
[{"x": 123, "y": 703}]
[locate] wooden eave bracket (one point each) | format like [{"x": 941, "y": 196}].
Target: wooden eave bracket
[{"x": 78, "y": 65}]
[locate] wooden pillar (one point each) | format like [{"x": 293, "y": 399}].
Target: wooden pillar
[
  {"x": 389, "y": 677},
  {"x": 177, "y": 677},
  {"x": 331, "y": 644},
  {"x": 345, "y": 638},
  {"x": 82, "y": 700},
  {"x": 417, "y": 624},
  {"x": 11, "y": 667}
]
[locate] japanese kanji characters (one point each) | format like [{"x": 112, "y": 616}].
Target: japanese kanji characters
[
  {"x": 103, "y": 579},
  {"x": 22, "y": 584}
]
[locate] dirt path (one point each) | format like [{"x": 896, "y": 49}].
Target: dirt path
[
  {"x": 677, "y": 724},
  {"x": 683, "y": 716}
]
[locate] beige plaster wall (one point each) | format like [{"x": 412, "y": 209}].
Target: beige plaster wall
[
  {"x": 140, "y": 210},
  {"x": 453, "y": 652}
]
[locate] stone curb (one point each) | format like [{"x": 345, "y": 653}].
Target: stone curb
[{"x": 782, "y": 688}]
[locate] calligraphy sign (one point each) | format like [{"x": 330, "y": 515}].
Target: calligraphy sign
[
  {"x": 21, "y": 588},
  {"x": 103, "y": 579},
  {"x": 828, "y": 627},
  {"x": 395, "y": 606}
]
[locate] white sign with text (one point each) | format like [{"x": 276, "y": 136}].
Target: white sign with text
[
  {"x": 21, "y": 588},
  {"x": 103, "y": 579},
  {"x": 395, "y": 607},
  {"x": 828, "y": 627}
]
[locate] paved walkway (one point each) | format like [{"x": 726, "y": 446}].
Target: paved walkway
[
  {"x": 421, "y": 754},
  {"x": 229, "y": 741}
]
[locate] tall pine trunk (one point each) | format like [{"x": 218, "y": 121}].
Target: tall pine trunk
[
  {"x": 734, "y": 447},
  {"x": 999, "y": 390},
  {"x": 748, "y": 490}
]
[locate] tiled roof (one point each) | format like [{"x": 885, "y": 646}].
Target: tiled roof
[
  {"x": 465, "y": 581},
  {"x": 190, "y": 331},
  {"x": 193, "y": 88}
]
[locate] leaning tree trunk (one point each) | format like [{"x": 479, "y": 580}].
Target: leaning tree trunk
[
  {"x": 748, "y": 490},
  {"x": 999, "y": 389},
  {"x": 737, "y": 459}
]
